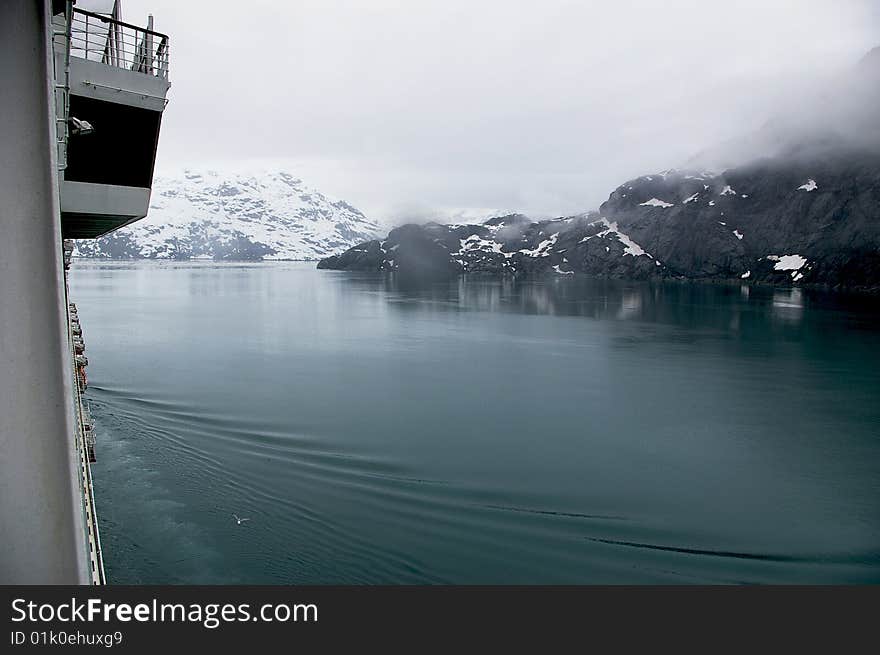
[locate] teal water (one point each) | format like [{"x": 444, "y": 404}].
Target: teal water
[{"x": 477, "y": 431}]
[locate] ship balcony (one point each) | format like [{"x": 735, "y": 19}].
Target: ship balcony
[{"x": 117, "y": 83}]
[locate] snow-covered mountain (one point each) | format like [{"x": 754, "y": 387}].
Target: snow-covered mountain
[
  {"x": 801, "y": 206},
  {"x": 235, "y": 215},
  {"x": 804, "y": 222}
]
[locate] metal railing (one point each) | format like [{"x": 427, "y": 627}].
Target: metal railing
[
  {"x": 85, "y": 447},
  {"x": 115, "y": 43}
]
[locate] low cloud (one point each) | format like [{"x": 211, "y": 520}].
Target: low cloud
[{"x": 428, "y": 107}]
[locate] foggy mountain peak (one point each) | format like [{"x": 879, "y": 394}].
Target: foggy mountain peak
[
  {"x": 870, "y": 63},
  {"x": 841, "y": 114}
]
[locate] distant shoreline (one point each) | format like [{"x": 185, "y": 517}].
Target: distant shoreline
[
  {"x": 190, "y": 259},
  {"x": 730, "y": 282}
]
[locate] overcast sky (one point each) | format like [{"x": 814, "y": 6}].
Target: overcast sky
[{"x": 412, "y": 107}]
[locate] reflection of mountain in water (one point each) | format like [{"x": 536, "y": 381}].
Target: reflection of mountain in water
[{"x": 722, "y": 307}]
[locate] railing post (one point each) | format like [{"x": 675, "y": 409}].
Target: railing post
[{"x": 148, "y": 42}]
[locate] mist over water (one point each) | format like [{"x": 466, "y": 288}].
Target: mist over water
[{"x": 477, "y": 431}]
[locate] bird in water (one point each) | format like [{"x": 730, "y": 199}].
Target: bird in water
[{"x": 238, "y": 520}]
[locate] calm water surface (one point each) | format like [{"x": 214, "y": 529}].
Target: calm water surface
[{"x": 557, "y": 431}]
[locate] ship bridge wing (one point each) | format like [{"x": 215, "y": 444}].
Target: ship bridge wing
[{"x": 116, "y": 85}]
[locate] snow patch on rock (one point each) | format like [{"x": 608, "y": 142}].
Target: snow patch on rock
[
  {"x": 787, "y": 262},
  {"x": 809, "y": 186},
  {"x": 655, "y": 202},
  {"x": 630, "y": 246},
  {"x": 543, "y": 248}
]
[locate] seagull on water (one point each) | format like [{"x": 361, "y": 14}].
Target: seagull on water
[{"x": 238, "y": 520}]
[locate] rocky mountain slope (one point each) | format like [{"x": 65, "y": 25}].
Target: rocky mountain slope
[
  {"x": 806, "y": 213},
  {"x": 226, "y": 215},
  {"x": 771, "y": 221}
]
